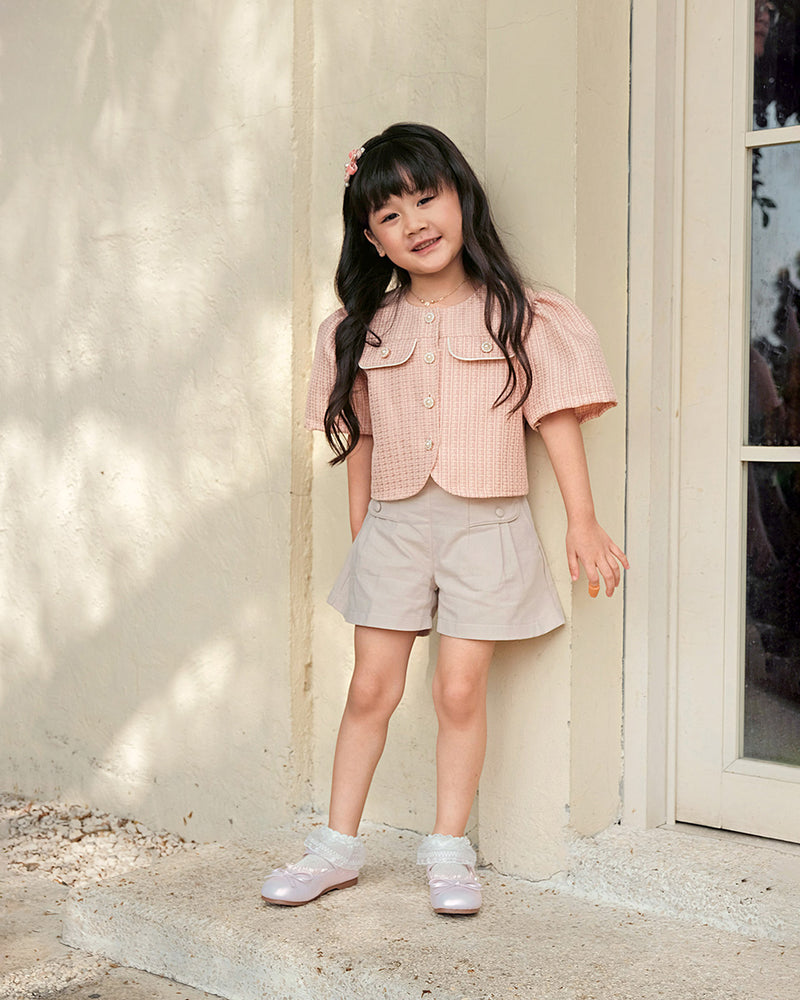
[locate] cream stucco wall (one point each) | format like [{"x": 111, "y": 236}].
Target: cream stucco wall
[
  {"x": 146, "y": 413},
  {"x": 171, "y": 210}
]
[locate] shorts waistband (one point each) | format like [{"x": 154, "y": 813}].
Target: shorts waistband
[{"x": 433, "y": 505}]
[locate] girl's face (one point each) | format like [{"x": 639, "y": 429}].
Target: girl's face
[{"x": 420, "y": 232}]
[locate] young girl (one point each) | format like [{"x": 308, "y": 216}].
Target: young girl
[{"x": 423, "y": 383}]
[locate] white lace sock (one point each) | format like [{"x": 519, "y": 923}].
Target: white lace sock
[
  {"x": 337, "y": 849},
  {"x": 441, "y": 848}
]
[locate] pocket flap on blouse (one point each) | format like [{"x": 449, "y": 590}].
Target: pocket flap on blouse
[
  {"x": 386, "y": 355},
  {"x": 475, "y": 349}
]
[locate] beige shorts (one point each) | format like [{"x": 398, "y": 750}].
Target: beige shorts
[{"x": 477, "y": 561}]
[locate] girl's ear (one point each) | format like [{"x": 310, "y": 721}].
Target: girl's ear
[{"x": 374, "y": 242}]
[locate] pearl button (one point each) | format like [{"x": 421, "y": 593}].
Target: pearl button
[
  {"x": 376, "y": 506},
  {"x": 428, "y": 402},
  {"x": 429, "y": 444},
  {"x": 430, "y": 357},
  {"x": 499, "y": 511},
  {"x": 429, "y": 316},
  {"x": 385, "y": 352},
  {"x": 487, "y": 346}
]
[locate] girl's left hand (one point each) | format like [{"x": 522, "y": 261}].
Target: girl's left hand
[{"x": 588, "y": 544}]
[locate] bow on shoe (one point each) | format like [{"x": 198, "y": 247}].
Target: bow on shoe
[
  {"x": 437, "y": 884},
  {"x": 294, "y": 878}
]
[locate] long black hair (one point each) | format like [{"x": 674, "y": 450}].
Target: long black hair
[{"x": 403, "y": 159}]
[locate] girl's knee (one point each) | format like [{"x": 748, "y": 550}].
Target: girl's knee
[
  {"x": 458, "y": 699},
  {"x": 370, "y": 695}
]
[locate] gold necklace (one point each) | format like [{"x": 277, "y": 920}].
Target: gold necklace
[{"x": 432, "y": 302}]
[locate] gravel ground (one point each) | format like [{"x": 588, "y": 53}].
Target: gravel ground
[
  {"x": 46, "y": 848},
  {"x": 74, "y": 845}
]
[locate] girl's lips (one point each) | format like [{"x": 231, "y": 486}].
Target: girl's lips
[{"x": 425, "y": 245}]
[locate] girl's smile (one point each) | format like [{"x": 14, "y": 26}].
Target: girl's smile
[
  {"x": 425, "y": 245},
  {"x": 421, "y": 233}
]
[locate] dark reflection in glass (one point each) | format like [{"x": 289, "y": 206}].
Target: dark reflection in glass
[
  {"x": 774, "y": 383},
  {"x": 772, "y": 621},
  {"x": 776, "y": 69}
]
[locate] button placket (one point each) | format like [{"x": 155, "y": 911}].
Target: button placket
[{"x": 430, "y": 378}]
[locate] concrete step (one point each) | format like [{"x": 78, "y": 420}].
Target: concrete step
[
  {"x": 733, "y": 882},
  {"x": 198, "y": 918},
  {"x": 34, "y": 962}
]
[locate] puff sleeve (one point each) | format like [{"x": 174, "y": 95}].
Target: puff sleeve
[
  {"x": 568, "y": 367},
  {"x": 323, "y": 377}
]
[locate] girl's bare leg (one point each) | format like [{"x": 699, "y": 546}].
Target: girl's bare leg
[
  {"x": 375, "y": 691},
  {"x": 459, "y": 696}
]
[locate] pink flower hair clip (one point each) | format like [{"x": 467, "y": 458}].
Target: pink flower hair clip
[{"x": 352, "y": 164}]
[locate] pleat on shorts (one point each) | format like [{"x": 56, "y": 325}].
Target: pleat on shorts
[{"x": 477, "y": 563}]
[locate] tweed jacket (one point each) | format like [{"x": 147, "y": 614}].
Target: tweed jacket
[{"x": 427, "y": 384}]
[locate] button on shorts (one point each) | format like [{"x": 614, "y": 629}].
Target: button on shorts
[{"x": 478, "y": 562}]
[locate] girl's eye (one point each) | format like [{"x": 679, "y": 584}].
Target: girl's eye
[
  {"x": 426, "y": 198},
  {"x": 388, "y": 217}
]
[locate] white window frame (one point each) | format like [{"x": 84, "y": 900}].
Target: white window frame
[{"x": 655, "y": 228}]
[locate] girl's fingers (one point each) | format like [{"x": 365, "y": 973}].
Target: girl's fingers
[
  {"x": 612, "y": 576},
  {"x": 620, "y": 555},
  {"x": 574, "y": 566},
  {"x": 610, "y": 572},
  {"x": 607, "y": 562},
  {"x": 593, "y": 572},
  {"x": 617, "y": 551},
  {"x": 610, "y": 582}
]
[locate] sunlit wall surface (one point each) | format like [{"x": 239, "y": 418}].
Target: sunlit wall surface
[{"x": 145, "y": 407}]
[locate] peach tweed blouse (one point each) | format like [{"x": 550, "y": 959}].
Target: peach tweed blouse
[{"x": 425, "y": 393}]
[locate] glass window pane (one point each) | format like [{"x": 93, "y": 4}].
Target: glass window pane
[
  {"x": 772, "y": 620},
  {"x": 774, "y": 397},
  {"x": 776, "y": 69}
]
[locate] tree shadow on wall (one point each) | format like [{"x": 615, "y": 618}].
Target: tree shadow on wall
[{"x": 145, "y": 407}]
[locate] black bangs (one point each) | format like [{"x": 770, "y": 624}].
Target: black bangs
[{"x": 394, "y": 167}]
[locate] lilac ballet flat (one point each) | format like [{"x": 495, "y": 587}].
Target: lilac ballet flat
[
  {"x": 296, "y": 884},
  {"x": 458, "y": 895},
  {"x": 332, "y": 861},
  {"x": 455, "y": 889}
]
